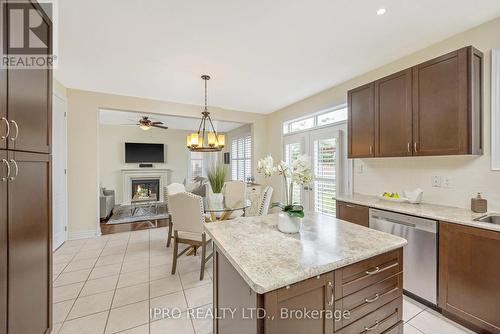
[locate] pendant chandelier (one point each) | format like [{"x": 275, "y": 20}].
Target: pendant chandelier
[{"x": 196, "y": 141}]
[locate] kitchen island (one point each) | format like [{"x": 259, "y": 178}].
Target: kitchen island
[{"x": 333, "y": 276}]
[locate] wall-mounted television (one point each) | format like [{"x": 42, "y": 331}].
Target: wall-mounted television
[{"x": 142, "y": 152}]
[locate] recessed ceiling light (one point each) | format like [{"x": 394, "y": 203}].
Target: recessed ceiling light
[{"x": 381, "y": 11}]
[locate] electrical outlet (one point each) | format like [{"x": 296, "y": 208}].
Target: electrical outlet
[
  {"x": 436, "y": 181},
  {"x": 447, "y": 183}
]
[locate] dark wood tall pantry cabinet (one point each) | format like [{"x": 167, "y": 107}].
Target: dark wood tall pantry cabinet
[{"x": 25, "y": 196}]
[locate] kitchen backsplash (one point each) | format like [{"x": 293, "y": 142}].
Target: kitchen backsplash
[{"x": 459, "y": 178}]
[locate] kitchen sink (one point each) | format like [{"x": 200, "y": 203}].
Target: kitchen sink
[{"x": 490, "y": 218}]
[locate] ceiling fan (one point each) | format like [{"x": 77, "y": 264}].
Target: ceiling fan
[{"x": 145, "y": 124}]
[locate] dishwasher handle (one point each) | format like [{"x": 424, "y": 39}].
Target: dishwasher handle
[
  {"x": 394, "y": 221},
  {"x": 429, "y": 227}
]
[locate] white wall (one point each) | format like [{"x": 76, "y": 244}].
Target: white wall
[
  {"x": 469, "y": 174},
  {"x": 112, "y": 140}
]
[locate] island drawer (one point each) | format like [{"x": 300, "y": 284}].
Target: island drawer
[
  {"x": 358, "y": 276},
  {"x": 379, "y": 321},
  {"x": 369, "y": 299},
  {"x": 398, "y": 329}
]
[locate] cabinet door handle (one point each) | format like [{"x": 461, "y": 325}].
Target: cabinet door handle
[
  {"x": 377, "y": 296},
  {"x": 350, "y": 206},
  {"x": 17, "y": 130},
  {"x": 415, "y": 147},
  {"x": 16, "y": 173},
  {"x": 7, "y": 128},
  {"x": 332, "y": 289},
  {"x": 409, "y": 147},
  {"x": 373, "y": 272},
  {"x": 371, "y": 150},
  {"x": 372, "y": 327},
  {"x": 3, "y": 179}
]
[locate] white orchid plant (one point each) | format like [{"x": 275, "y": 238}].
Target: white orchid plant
[{"x": 298, "y": 172}]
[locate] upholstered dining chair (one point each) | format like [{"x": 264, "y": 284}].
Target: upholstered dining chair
[
  {"x": 187, "y": 212},
  {"x": 171, "y": 189},
  {"x": 235, "y": 194},
  {"x": 265, "y": 201}
]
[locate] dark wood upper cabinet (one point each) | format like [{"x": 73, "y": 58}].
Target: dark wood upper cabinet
[
  {"x": 434, "y": 108},
  {"x": 3, "y": 108},
  {"x": 28, "y": 110},
  {"x": 469, "y": 271},
  {"x": 361, "y": 121},
  {"x": 3, "y": 242},
  {"x": 445, "y": 119},
  {"x": 29, "y": 103},
  {"x": 393, "y": 115},
  {"x": 29, "y": 235}
]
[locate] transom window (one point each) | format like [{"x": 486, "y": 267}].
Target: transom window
[
  {"x": 241, "y": 158},
  {"x": 326, "y": 117}
]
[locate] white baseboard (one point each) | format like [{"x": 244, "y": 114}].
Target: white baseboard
[{"x": 83, "y": 234}]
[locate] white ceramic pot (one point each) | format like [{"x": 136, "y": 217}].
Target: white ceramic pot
[
  {"x": 216, "y": 199},
  {"x": 287, "y": 224}
]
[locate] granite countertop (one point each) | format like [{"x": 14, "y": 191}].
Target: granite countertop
[
  {"x": 268, "y": 259},
  {"x": 438, "y": 212}
]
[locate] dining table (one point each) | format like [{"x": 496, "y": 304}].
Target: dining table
[{"x": 219, "y": 211}]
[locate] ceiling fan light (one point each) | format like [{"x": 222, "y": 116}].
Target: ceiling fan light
[{"x": 145, "y": 127}]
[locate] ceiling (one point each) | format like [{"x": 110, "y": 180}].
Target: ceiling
[
  {"x": 262, "y": 55},
  {"x": 120, "y": 117}
]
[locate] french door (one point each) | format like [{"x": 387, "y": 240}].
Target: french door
[{"x": 324, "y": 148}]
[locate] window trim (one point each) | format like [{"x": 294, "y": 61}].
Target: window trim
[
  {"x": 236, "y": 138},
  {"x": 315, "y": 116}
]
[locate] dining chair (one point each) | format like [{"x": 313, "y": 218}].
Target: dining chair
[
  {"x": 171, "y": 189},
  {"x": 265, "y": 201},
  {"x": 235, "y": 195},
  {"x": 187, "y": 212}
]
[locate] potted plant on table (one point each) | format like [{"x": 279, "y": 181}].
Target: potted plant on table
[
  {"x": 298, "y": 173},
  {"x": 216, "y": 176}
]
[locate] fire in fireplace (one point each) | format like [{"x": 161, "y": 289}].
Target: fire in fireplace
[{"x": 145, "y": 190}]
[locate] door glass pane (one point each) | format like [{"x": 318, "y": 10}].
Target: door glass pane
[
  {"x": 325, "y": 161},
  {"x": 292, "y": 151}
]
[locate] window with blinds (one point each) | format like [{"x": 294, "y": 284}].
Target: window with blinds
[
  {"x": 241, "y": 158},
  {"x": 197, "y": 167}
]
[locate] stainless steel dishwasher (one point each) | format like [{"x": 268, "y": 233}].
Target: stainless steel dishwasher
[{"x": 419, "y": 256}]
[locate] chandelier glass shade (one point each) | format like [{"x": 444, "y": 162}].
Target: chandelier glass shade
[{"x": 206, "y": 139}]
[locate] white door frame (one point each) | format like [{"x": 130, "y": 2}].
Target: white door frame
[
  {"x": 56, "y": 95},
  {"x": 344, "y": 166}
]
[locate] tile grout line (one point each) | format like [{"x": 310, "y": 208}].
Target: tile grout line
[
  {"x": 74, "y": 302},
  {"x": 116, "y": 287},
  {"x": 72, "y": 258}
]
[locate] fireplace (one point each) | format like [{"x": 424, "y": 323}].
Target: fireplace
[{"x": 145, "y": 190}]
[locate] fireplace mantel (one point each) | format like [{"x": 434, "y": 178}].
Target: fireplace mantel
[{"x": 143, "y": 173}]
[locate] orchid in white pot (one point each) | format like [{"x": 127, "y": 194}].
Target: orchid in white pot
[{"x": 298, "y": 173}]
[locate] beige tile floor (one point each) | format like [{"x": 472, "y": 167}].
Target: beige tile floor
[{"x": 110, "y": 283}]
